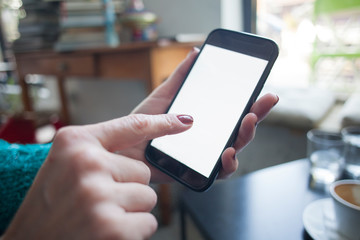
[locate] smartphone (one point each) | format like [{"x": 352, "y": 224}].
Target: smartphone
[{"x": 218, "y": 91}]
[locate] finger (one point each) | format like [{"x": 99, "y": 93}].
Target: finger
[
  {"x": 124, "y": 169},
  {"x": 139, "y": 225},
  {"x": 247, "y": 131},
  {"x": 245, "y": 135},
  {"x": 138, "y": 197},
  {"x": 97, "y": 160},
  {"x": 115, "y": 223},
  {"x": 133, "y": 129},
  {"x": 229, "y": 163},
  {"x": 262, "y": 107},
  {"x": 258, "y": 112}
]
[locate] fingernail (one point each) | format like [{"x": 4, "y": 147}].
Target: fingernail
[
  {"x": 277, "y": 100},
  {"x": 185, "y": 119},
  {"x": 191, "y": 51},
  {"x": 194, "y": 49}
]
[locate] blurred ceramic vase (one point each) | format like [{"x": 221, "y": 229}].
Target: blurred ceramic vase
[{"x": 141, "y": 23}]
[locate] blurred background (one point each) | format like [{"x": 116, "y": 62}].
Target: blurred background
[{"x": 85, "y": 61}]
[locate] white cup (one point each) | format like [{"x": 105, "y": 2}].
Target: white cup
[{"x": 346, "y": 198}]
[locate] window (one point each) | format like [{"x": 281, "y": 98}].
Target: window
[{"x": 319, "y": 42}]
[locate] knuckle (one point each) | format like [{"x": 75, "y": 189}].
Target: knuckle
[
  {"x": 86, "y": 161},
  {"x": 144, "y": 173},
  {"x": 66, "y": 136},
  {"x": 148, "y": 227},
  {"x": 153, "y": 224},
  {"x": 134, "y": 171},
  {"x": 150, "y": 196},
  {"x": 86, "y": 174},
  {"x": 138, "y": 122},
  {"x": 126, "y": 234},
  {"x": 104, "y": 222},
  {"x": 140, "y": 198},
  {"x": 90, "y": 191},
  {"x": 169, "y": 123}
]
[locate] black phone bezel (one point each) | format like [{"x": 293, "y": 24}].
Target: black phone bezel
[{"x": 245, "y": 43}]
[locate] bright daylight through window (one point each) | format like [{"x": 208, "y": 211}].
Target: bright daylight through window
[{"x": 319, "y": 42}]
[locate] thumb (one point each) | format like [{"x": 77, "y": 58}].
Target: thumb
[{"x": 130, "y": 130}]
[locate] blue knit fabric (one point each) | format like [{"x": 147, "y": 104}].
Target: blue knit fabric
[{"x": 18, "y": 167}]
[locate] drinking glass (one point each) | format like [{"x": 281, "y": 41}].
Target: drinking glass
[
  {"x": 326, "y": 154},
  {"x": 351, "y": 136}
]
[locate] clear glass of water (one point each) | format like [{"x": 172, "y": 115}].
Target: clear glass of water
[
  {"x": 326, "y": 154},
  {"x": 351, "y": 136}
]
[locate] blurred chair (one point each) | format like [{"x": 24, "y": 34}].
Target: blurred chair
[{"x": 335, "y": 60}]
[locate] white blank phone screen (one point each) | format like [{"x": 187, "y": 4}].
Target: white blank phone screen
[{"x": 215, "y": 95}]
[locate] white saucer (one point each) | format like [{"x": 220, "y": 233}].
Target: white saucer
[{"x": 319, "y": 220}]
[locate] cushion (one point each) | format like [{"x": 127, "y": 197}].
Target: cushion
[
  {"x": 350, "y": 113},
  {"x": 302, "y": 108}
]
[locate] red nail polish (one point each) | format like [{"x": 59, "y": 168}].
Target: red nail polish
[{"x": 186, "y": 119}]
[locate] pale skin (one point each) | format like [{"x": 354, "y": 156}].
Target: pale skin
[{"x": 94, "y": 182}]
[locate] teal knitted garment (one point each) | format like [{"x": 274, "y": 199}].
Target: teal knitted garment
[{"x": 18, "y": 167}]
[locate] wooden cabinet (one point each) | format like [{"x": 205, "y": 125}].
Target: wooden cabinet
[
  {"x": 54, "y": 64},
  {"x": 151, "y": 62},
  {"x": 129, "y": 64}
]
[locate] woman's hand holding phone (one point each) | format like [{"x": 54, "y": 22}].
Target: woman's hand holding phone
[
  {"x": 159, "y": 100},
  {"x": 87, "y": 173}
]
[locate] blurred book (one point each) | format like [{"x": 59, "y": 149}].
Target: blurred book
[
  {"x": 87, "y": 24},
  {"x": 88, "y": 6},
  {"x": 83, "y": 21},
  {"x": 39, "y": 29},
  {"x": 81, "y": 40}
]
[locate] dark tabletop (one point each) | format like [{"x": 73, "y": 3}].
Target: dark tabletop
[{"x": 266, "y": 204}]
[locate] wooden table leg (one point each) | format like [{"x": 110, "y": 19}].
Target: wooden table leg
[
  {"x": 65, "y": 115},
  {"x": 165, "y": 204},
  {"x": 25, "y": 96},
  {"x": 182, "y": 221}
]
